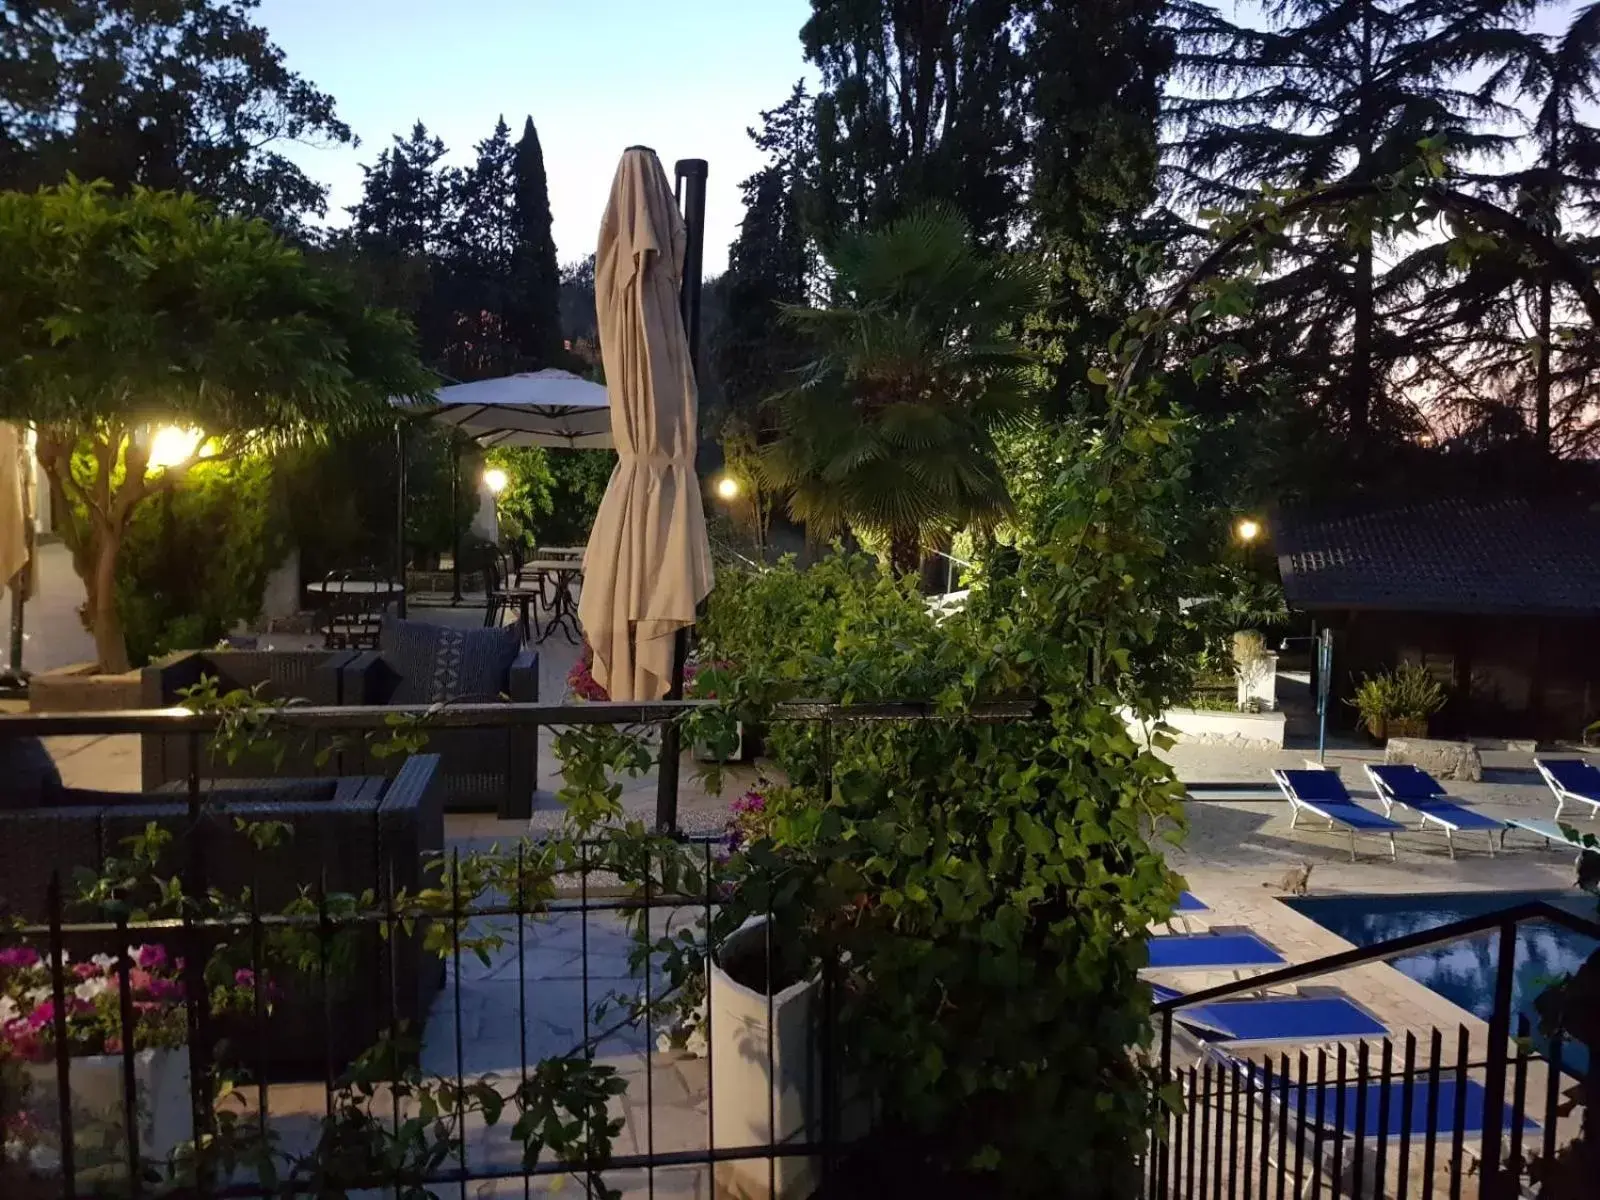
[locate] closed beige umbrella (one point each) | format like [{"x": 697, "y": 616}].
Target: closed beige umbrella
[{"x": 648, "y": 562}]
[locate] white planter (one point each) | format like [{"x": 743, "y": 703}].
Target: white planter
[
  {"x": 165, "y": 1117},
  {"x": 749, "y": 1087}
]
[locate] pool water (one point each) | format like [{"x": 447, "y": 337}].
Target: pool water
[{"x": 1463, "y": 972}]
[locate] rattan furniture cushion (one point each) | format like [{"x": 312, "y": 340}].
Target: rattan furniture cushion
[
  {"x": 438, "y": 664},
  {"x": 27, "y": 772}
]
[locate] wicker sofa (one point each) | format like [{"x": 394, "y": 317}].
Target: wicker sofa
[
  {"x": 485, "y": 770},
  {"x": 352, "y": 835},
  {"x": 314, "y": 676}
]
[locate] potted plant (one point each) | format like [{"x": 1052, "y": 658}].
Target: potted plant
[
  {"x": 1398, "y": 703},
  {"x": 96, "y": 1044}
]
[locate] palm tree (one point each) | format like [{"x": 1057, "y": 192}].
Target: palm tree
[{"x": 890, "y": 427}]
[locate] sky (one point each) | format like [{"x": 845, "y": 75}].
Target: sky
[{"x": 686, "y": 78}]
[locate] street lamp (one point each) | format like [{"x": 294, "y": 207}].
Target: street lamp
[
  {"x": 1248, "y": 530},
  {"x": 728, "y": 488},
  {"x": 172, "y": 446},
  {"x": 495, "y": 480}
]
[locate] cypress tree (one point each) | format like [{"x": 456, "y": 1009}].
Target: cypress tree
[{"x": 534, "y": 306}]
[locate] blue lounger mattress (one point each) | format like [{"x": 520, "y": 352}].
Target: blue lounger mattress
[{"x": 1212, "y": 951}]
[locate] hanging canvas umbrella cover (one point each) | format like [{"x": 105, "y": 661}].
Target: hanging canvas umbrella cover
[{"x": 648, "y": 563}]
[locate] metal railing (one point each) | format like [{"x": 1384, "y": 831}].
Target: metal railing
[{"x": 1415, "y": 1119}]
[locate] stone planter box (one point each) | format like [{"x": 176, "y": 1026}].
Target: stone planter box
[
  {"x": 164, "y": 1117},
  {"x": 1441, "y": 759},
  {"x": 749, "y": 1086},
  {"x": 81, "y": 688}
]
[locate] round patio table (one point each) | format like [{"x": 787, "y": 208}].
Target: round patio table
[
  {"x": 357, "y": 587},
  {"x": 554, "y": 586}
]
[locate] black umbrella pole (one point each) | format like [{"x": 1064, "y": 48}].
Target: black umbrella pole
[{"x": 400, "y": 515}]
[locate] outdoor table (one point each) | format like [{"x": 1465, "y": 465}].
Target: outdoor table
[
  {"x": 561, "y": 551},
  {"x": 555, "y": 580},
  {"x": 355, "y": 610},
  {"x": 357, "y": 587}
]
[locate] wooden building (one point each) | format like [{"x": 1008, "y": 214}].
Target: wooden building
[{"x": 1500, "y": 599}]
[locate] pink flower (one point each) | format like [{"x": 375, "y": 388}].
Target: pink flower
[
  {"x": 113, "y": 1044},
  {"x": 43, "y": 1015},
  {"x": 140, "y": 980},
  {"x": 166, "y": 989},
  {"x": 19, "y": 956},
  {"x": 152, "y": 957},
  {"x": 86, "y": 970},
  {"x": 750, "y": 802},
  {"x": 244, "y": 977}
]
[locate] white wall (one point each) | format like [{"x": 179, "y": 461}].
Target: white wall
[{"x": 1205, "y": 727}]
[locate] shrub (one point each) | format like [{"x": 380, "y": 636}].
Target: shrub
[
  {"x": 1408, "y": 695},
  {"x": 195, "y": 562}
]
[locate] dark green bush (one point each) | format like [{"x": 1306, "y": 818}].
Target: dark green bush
[{"x": 196, "y": 559}]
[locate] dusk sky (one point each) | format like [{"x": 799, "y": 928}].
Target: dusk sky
[{"x": 596, "y": 76}]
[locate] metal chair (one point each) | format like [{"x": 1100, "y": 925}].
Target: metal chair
[
  {"x": 356, "y": 603},
  {"x": 494, "y": 589}
]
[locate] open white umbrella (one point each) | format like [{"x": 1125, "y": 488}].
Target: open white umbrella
[
  {"x": 648, "y": 562},
  {"x": 533, "y": 408}
]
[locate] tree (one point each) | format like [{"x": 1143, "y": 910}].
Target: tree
[
  {"x": 891, "y": 427},
  {"x": 477, "y": 258},
  {"x": 181, "y": 94},
  {"x": 772, "y": 262},
  {"x": 121, "y": 312},
  {"x": 1333, "y": 90},
  {"x": 1497, "y": 352},
  {"x": 1096, "y": 71},
  {"x": 535, "y": 284},
  {"x": 919, "y": 102}
]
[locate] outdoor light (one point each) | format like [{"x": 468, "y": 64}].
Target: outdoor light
[
  {"x": 495, "y": 480},
  {"x": 1248, "y": 529},
  {"x": 728, "y": 488},
  {"x": 172, "y": 446}
]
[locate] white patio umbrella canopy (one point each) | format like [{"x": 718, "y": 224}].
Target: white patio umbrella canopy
[
  {"x": 534, "y": 408},
  {"x": 648, "y": 562}
]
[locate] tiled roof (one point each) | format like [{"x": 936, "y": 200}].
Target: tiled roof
[{"x": 1453, "y": 556}]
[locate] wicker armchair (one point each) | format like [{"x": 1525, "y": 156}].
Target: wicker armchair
[
  {"x": 310, "y": 675},
  {"x": 484, "y": 770},
  {"x": 370, "y": 834}
]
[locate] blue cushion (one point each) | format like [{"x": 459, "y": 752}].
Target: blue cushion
[
  {"x": 437, "y": 664},
  {"x": 1316, "y": 785},
  {"x": 27, "y": 773},
  {"x": 1407, "y": 782}
]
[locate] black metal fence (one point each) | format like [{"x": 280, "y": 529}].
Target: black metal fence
[
  {"x": 471, "y": 1030},
  {"x": 1461, "y": 1112}
]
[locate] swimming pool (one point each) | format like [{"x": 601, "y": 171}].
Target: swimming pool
[{"x": 1463, "y": 972}]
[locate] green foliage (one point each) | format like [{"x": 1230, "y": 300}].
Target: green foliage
[
  {"x": 120, "y": 312},
  {"x": 891, "y": 429},
  {"x": 526, "y": 500},
  {"x": 195, "y": 561},
  {"x": 1408, "y": 694},
  {"x": 580, "y": 484},
  {"x": 188, "y": 95}
]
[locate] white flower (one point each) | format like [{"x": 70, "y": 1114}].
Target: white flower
[
  {"x": 46, "y": 1160},
  {"x": 8, "y": 1010},
  {"x": 89, "y": 989},
  {"x": 106, "y": 962},
  {"x": 695, "y": 1045},
  {"x": 36, "y": 996}
]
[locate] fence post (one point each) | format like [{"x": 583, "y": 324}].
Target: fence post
[{"x": 1494, "y": 1078}]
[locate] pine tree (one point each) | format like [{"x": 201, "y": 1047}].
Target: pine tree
[
  {"x": 919, "y": 103},
  {"x": 1496, "y": 357},
  {"x": 1334, "y": 90},
  {"x": 480, "y": 261},
  {"x": 400, "y": 232},
  {"x": 534, "y": 307},
  {"x": 1096, "y": 70},
  {"x": 773, "y": 261}
]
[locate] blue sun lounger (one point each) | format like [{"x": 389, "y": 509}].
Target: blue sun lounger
[
  {"x": 1413, "y": 787},
  {"x": 1321, "y": 1107},
  {"x": 1211, "y": 952},
  {"x": 1322, "y": 794},
  {"x": 1550, "y": 831},
  {"x": 1573, "y": 781},
  {"x": 1267, "y": 1020},
  {"x": 1188, "y": 902}
]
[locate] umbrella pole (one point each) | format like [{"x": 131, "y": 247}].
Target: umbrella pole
[
  {"x": 455, "y": 521},
  {"x": 691, "y": 195},
  {"x": 400, "y": 515}
]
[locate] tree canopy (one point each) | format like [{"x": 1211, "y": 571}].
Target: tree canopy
[{"x": 119, "y": 311}]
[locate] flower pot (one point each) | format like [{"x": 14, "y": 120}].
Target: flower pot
[
  {"x": 1407, "y": 727},
  {"x": 749, "y": 1086},
  {"x": 164, "y": 1116}
]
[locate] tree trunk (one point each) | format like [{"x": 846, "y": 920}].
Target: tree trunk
[
  {"x": 1541, "y": 393},
  {"x": 1360, "y": 403},
  {"x": 905, "y": 552},
  {"x": 105, "y": 623}
]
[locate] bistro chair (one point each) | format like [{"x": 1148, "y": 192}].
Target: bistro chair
[{"x": 356, "y": 602}]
